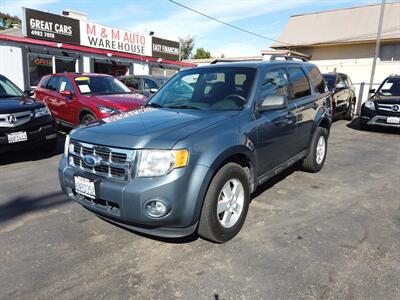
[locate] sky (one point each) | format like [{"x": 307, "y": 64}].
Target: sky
[{"x": 167, "y": 20}]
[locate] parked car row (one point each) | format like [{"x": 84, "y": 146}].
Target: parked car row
[{"x": 188, "y": 158}]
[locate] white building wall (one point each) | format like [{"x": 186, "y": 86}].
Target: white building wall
[
  {"x": 11, "y": 64},
  {"x": 141, "y": 68},
  {"x": 359, "y": 71},
  {"x": 86, "y": 64}
]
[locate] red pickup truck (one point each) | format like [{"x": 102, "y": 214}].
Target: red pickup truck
[{"x": 77, "y": 98}]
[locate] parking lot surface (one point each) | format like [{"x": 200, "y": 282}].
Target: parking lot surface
[{"x": 335, "y": 234}]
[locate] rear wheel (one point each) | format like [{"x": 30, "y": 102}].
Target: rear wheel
[
  {"x": 87, "y": 118},
  {"x": 315, "y": 159},
  {"x": 349, "y": 115},
  {"x": 225, "y": 205}
]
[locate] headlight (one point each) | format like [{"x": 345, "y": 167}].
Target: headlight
[
  {"x": 160, "y": 162},
  {"x": 66, "y": 145},
  {"x": 40, "y": 112},
  {"x": 370, "y": 104},
  {"x": 107, "y": 110}
]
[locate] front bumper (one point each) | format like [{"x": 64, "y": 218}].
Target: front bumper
[
  {"x": 122, "y": 202},
  {"x": 375, "y": 119},
  {"x": 39, "y": 132}
]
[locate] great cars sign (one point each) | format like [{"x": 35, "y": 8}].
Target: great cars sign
[
  {"x": 98, "y": 36},
  {"x": 165, "y": 49},
  {"x": 50, "y": 27}
]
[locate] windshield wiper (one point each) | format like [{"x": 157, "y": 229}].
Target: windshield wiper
[
  {"x": 183, "y": 106},
  {"x": 156, "y": 105}
]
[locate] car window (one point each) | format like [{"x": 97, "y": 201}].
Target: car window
[
  {"x": 43, "y": 83},
  {"x": 53, "y": 83},
  {"x": 349, "y": 83},
  {"x": 100, "y": 85},
  {"x": 149, "y": 84},
  {"x": 343, "y": 79},
  {"x": 8, "y": 89},
  {"x": 275, "y": 82},
  {"x": 65, "y": 84},
  {"x": 132, "y": 82},
  {"x": 390, "y": 87},
  {"x": 212, "y": 88},
  {"x": 330, "y": 81},
  {"x": 300, "y": 85},
  {"x": 317, "y": 79}
]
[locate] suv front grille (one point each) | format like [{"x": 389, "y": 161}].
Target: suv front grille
[
  {"x": 389, "y": 107},
  {"x": 15, "y": 119},
  {"x": 114, "y": 163}
]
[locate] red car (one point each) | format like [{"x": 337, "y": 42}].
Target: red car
[{"x": 76, "y": 98}]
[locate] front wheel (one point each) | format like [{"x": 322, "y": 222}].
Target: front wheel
[
  {"x": 315, "y": 159},
  {"x": 225, "y": 205},
  {"x": 350, "y": 112},
  {"x": 87, "y": 118}
]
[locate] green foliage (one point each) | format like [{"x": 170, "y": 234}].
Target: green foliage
[
  {"x": 187, "y": 45},
  {"x": 201, "y": 53},
  {"x": 7, "y": 21}
]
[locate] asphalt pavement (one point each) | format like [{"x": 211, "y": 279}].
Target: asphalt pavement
[{"x": 331, "y": 235}]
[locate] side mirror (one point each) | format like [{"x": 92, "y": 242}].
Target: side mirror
[
  {"x": 372, "y": 91},
  {"x": 153, "y": 90},
  {"x": 28, "y": 92},
  {"x": 273, "y": 102},
  {"x": 66, "y": 93},
  {"x": 340, "y": 85}
]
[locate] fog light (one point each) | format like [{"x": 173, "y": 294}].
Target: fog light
[{"x": 155, "y": 208}]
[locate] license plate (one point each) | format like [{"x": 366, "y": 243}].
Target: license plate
[
  {"x": 85, "y": 187},
  {"x": 393, "y": 120},
  {"x": 16, "y": 137}
]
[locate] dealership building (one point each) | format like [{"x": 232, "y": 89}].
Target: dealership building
[{"x": 49, "y": 43}]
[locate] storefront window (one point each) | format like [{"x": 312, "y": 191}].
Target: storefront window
[
  {"x": 65, "y": 65},
  {"x": 39, "y": 65}
]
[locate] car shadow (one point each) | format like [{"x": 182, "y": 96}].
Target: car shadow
[
  {"x": 23, "y": 205},
  {"x": 32, "y": 154},
  {"x": 355, "y": 125}
]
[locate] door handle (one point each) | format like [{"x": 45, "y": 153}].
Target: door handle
[{"x": 315, "y": 105}]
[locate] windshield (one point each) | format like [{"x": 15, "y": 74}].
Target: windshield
[
  {"x": 390, "y": 87},
  {"x": 9, "y": 89},
  {"x": 209, "y": 88},
  {"x": 330, "y": 81},
  {"x": 100, "y": 85}
]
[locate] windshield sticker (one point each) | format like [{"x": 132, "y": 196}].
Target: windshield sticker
[
  {"x": 83, "y": 78},
  {"x": 127, "y": 114},
  {"x": 84, "y": 88},
  {"x": 62, "y": 86},
  {"x": 387, "y": 86}
]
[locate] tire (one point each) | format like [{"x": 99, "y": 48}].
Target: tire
[
  {"x": 315, "y": 160},
  {"x": 87, "y": 118},
  {"x": 222, "y": 227},
  {"x": 349, "y": 115},
  {"x": 49, "y": 147}
]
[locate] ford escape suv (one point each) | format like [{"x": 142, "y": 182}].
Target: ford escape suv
[{"x": 189, "y": 160}]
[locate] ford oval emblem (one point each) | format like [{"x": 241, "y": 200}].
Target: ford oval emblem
[{"x": 91, "y": 160}]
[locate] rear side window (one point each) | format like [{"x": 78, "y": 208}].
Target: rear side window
[
  {"x": 43, "y": 83},
  {"x": 131, "y": 82},
  {"x": 149, "y": 84},
  {"x": 275, "y": 83},
  {"x": 317, "y": 79},
  {"x": 53, "y": 83},
  {"x": 65, "y": 84},
  {"x": 300, "y": 85}
]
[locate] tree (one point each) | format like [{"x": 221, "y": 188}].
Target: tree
[
  {"x": 201, "y": 53},
  {"x": 7, "y": 21},
  {"x": 187, "y": 45}
]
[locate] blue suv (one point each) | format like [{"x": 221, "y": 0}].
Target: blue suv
[{"x": 189, "y": 160}]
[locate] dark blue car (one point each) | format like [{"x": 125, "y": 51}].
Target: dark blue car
[{"x": 189, "y": 160}]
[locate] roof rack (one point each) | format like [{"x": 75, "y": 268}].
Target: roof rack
[
  {"x": 287, "y": 57},
  {"x": 223, "y": 60}
]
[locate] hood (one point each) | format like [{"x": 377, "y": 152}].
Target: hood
[
  {"x": 149, "y": 127},
  {"x": 386, "y": 99},
  {"x": 122, "y": 101},
  {"x": 11, "y": 105}
]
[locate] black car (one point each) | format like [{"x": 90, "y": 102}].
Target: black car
[
  {"x": 23, "y": 121},
  {"x": 143, "y": 84},
  {"x": 383, "y": 107},
  {"x": 343, "y": 93}
]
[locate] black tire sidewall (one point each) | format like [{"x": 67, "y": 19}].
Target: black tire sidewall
[
  {"x": 90, "y": 117},
  {"x": 318, "y": 133},
  {"x": 229, "y": 171}
]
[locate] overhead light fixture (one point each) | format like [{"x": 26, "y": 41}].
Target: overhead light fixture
[
  {"x": 59, "y": 45},
  {"x": 109, "y": 54}
]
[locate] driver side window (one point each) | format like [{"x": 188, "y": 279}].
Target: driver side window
[
  {"x": 65, "y": 84},
  {"x": 275, "y": 83}
]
